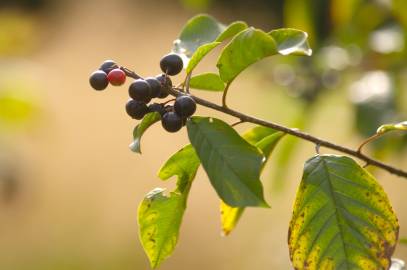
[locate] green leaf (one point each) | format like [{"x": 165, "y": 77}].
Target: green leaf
[
  {"x": 160, "y": 216},
  {"x": 197, "y": 47},
  {"x": 207, "y": 81},
  {"x": 232, "y": 164},
  {"x": 291, "y": 41},
  {"x": 183, "y": 164},
  {"x": 342, "y": 218},
  {"x": 391, "y": 127},
  {"x": 200, "y": 53},
  {"x": 246, "y": 48},
  {"x": 403, "y": 241},
  {"x": 199, "y": 30},
  {"x": 159, "y": 219},
  {"x": 148, "y": 120},
  {"x": 257, "y": 133},
  {"x": 265, "y": 139},
  {"x": 232, "y": 30}
]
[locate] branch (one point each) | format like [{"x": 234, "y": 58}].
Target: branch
[{"x": 295, "y": 132}]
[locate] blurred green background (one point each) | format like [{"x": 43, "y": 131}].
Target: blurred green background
[{"x": 70, "y": 187}]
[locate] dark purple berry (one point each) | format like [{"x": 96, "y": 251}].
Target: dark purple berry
[
  {"x": 108, "y": 66},
  {"x": 98, "y": 80},
  {"x": 166, "y": 85},
  {"x": 184, "y": 106},
  {"x": 155, "y": 86},
  {"x": 171, "y": 64},
  {"x": 156, "y": 107},
  {"x": 140, "y": 90},
  {"x": 171, "y": 122},
  {"x": 136, "y": 109}
]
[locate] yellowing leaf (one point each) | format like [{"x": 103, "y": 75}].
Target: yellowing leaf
[
  {"x": 229, "y": 217},
  {"x": 159, "y": 218},
  {"x": 159, "y": 215},
  {"x": 342, "y": 218}
]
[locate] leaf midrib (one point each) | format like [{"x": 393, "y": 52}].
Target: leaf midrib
[
  {"x": 206, "y": 138},
  {"x": 159, "y": 252},
  {"x": 337, "y": 213}
]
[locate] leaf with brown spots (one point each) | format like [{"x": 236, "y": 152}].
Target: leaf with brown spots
[
  {"x": 159, "y": 218},
  {"x": 160, "y": 215},
  {"x": 342, "y": 218}
]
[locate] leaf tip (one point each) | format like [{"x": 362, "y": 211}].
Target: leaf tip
[
  {"x": 264, "y": 204},
  {"x": 135, "y": 147}
]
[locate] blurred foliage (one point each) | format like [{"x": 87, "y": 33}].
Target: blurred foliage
[
  {"x": 17, "y": 33},
  {"x": 25, "y": 4},
  {"x": 359, "y": 49},
  {"x": 18, "y": 36},
  {"x": 17, "y": 109},
  {"x": 14, "y": 109}
]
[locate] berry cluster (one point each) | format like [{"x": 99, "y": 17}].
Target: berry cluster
[{"x": 142, "y": 91}]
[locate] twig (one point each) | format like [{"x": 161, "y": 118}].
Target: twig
[
  {"x": 368, "y": 140},
  {"x": 296, "y": 133},
  {"x": 317, "y": 146},
  {"x": 237, "y": 123},
  {"x": 130, "y": 73},
  {"x": 225, "y": 92},
  {"x": 186, "y": 83},
  {"x": 292, "y": 131}
]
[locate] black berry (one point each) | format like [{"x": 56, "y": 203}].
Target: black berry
[
  {"x": 166, "y": 85},
  {"x": 136, "y": 109},
  {"x": 98, "y": 80},
  {"x": 184, "y": 106},
  {"x": 155, "y": 86},
  {"x": 116, "y": 77},
  {"x": 140, "y": 90},
  {"x": 108, "y": 66},
  {"x": 171, "y": 122},
  {"x": 156, "y": 107},
  {"x": 171, "y": 64}
]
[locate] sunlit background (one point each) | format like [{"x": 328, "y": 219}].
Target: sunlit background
[{"x": 69, "y": 185}]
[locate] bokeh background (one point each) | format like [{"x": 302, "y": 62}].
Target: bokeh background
[{"x": 69, "y": 185}]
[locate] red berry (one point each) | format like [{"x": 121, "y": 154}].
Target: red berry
[{"x": 116, "y": 77}]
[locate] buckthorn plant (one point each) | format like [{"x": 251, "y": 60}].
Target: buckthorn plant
[{"x": 341, "y": 218}]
